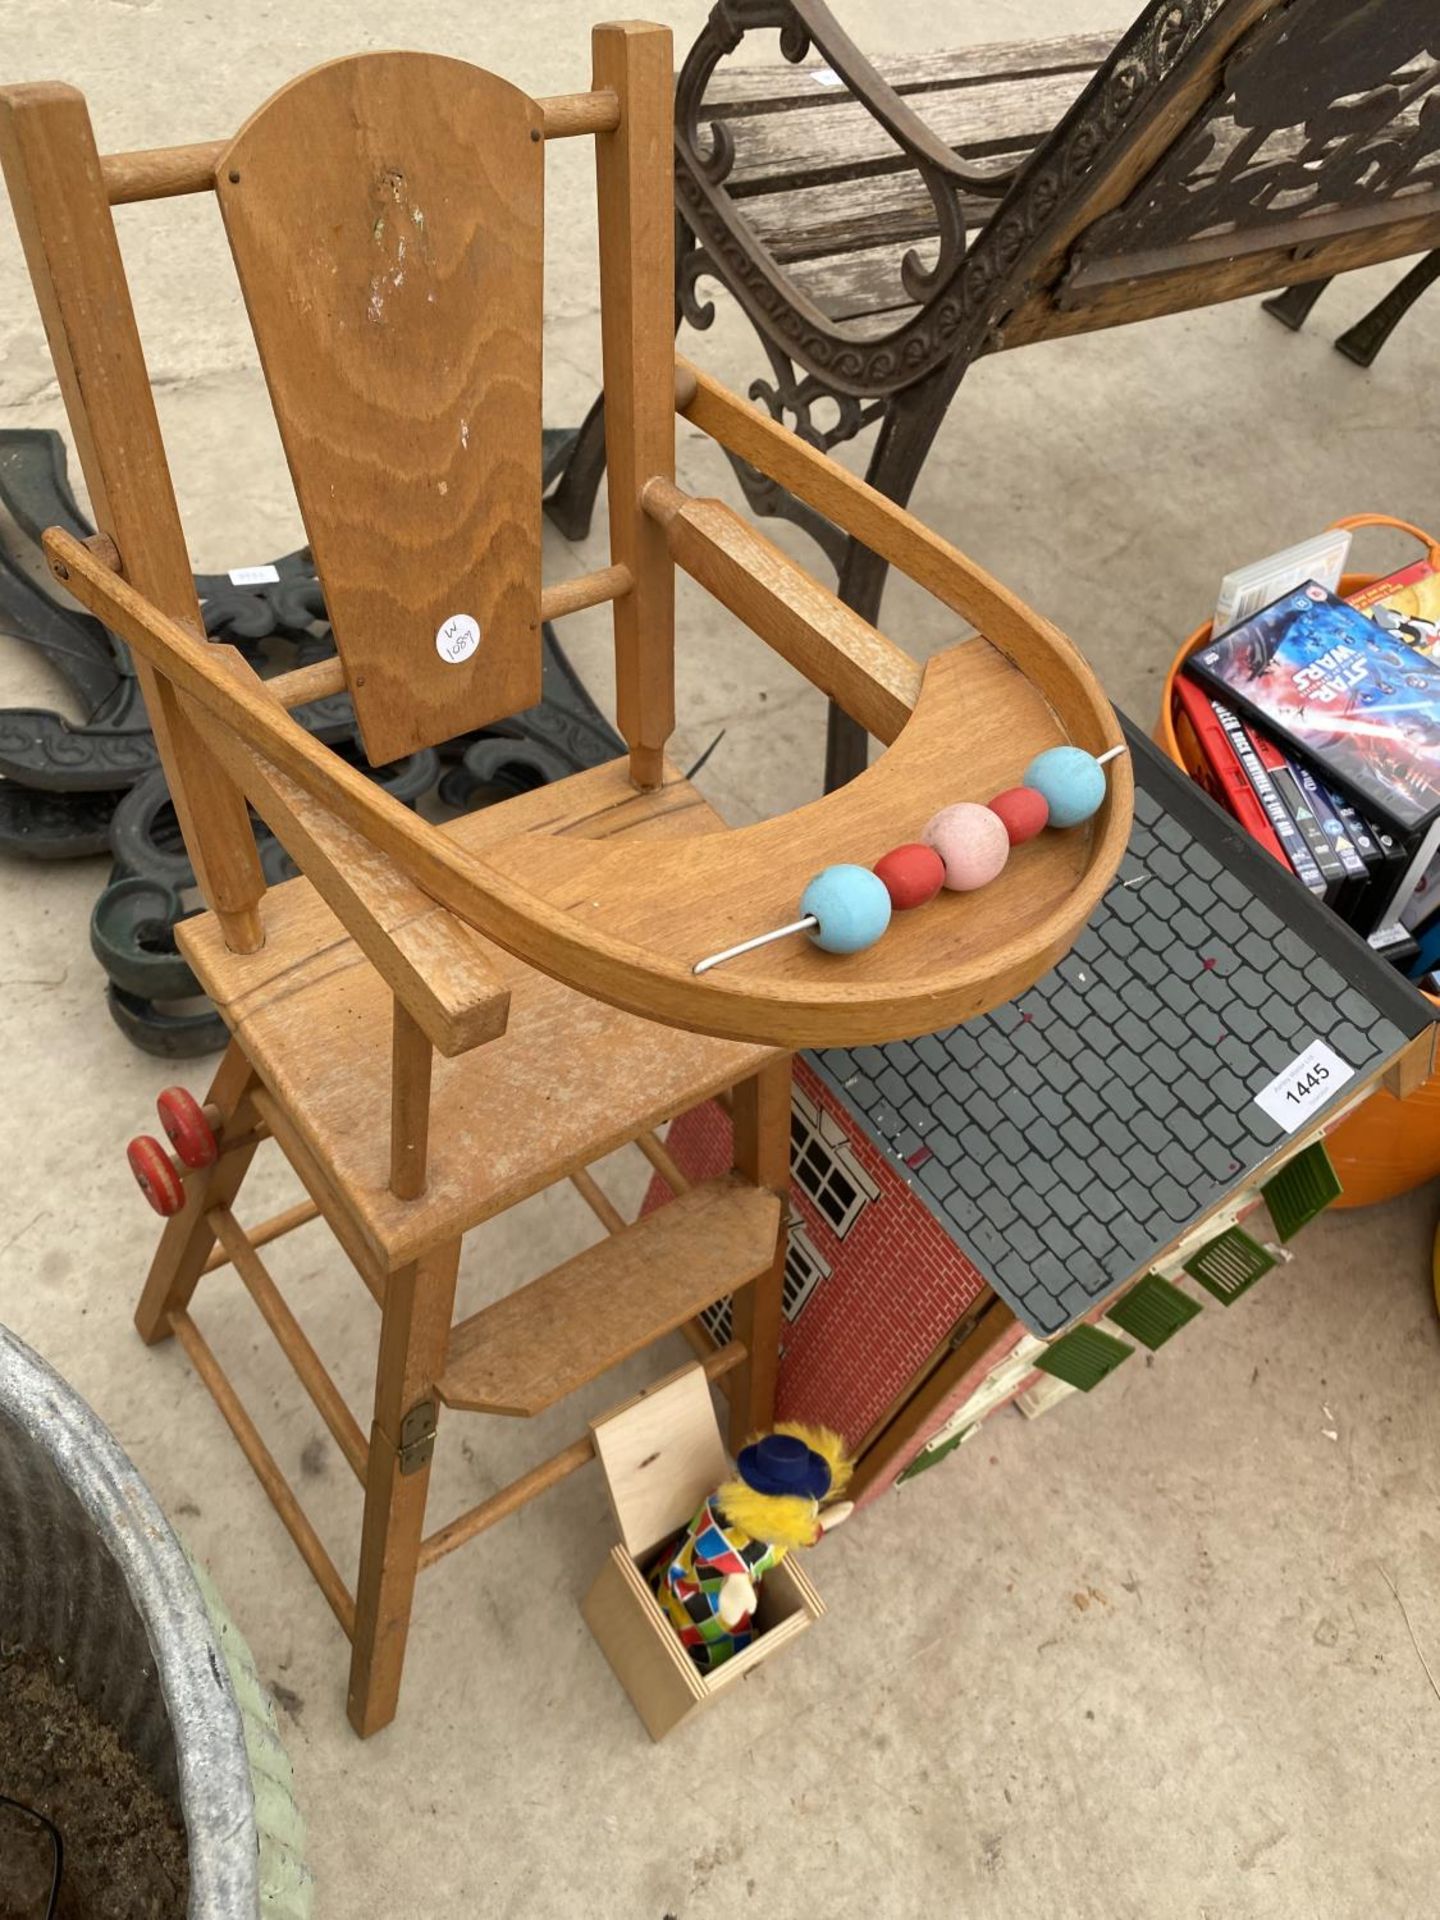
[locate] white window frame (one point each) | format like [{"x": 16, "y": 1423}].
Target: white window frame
[
  {"x": 816, "y": 1128},
  {"x": 799, "y": 1287},
  {"x": 718, "y": 1321}
]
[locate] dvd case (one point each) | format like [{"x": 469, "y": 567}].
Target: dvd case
[
  {"x": 1276, "y": 812},
  {"x": 1360, "y": 707},
  {"x": 1212, "y": 760},
  {"x": 1282, "y": 773},
  {"x": 1406, "y": 604},
  {"x": 1248, "y": 589},
  {"x": 1327, "y": 817},
  {"x": 1356, "y": 705}
]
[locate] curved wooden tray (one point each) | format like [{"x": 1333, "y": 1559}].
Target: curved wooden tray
[
  {"x": 652, "y": 909},
  {"x": 625, "y": 919}
]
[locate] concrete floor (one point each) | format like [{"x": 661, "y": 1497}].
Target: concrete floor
[{"x": 1158, "y": 1653}]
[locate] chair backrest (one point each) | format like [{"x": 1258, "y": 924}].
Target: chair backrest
[
  {"x": 386, "y": 217},
  {"x": 386, "y": 214}
]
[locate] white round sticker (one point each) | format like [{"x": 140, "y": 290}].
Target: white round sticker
[{"x": 458, "y": 638}]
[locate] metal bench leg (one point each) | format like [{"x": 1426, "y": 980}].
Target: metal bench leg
[
  {"x": 912, "y": 419},
  {"x": 414, "y": 1338},
  {"x": 1291, "y": 306},
  {"x": 1364, "y": 340},
  {"x": 571, "y": 505}
]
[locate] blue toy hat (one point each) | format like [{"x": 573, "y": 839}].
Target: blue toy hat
[{"x": 782, "y": 1464}]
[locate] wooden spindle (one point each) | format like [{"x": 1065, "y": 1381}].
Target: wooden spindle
[
  {"x": 53, "y": 172},
  {"x": 637, "y": 335},
  {"x": 411, "y": 1058}
]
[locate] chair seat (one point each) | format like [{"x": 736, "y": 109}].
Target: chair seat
[{"x": 570, "y": 1079}]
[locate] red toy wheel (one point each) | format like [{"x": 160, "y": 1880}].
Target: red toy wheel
[
  {"x": 190, "y": 1133},
  {"x": 155, "y": 1175}
]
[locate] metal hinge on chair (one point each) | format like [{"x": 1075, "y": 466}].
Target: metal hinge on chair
[{"x": 417, "y": 1437}]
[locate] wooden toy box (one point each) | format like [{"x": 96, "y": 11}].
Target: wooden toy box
[{"x": 661, "y": 1453}]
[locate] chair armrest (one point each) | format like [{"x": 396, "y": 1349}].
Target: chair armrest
[
  {"x": 876, "y": 682},
  {"x": 1039, "y": 649},
  {"x": 624, "y": 919},
  {"x": 214, "y": 684},
  {"x": 436, "y": 966}
]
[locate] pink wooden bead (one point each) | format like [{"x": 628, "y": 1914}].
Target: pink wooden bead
[{"x": 972, "y": 842}]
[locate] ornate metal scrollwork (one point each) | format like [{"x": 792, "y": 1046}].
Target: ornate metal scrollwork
[
  {"x": 963, "y": 296},
  {"x": 790, "y": 398},
  {"x": 1015, "y": 236},
  {"x": 845, "y": 361},
  {"x": 1326, "y": 108},
  {"x": 729, "y": 22}
]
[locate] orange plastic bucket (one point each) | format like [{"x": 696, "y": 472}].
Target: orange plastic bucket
[{"x": 1387, "y": 1145}]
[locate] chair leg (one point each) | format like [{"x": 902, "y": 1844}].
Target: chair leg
[
  {"x": 187, "y": 1240},
  {"x": 414, "y": 1337},
  {"x": 761, "y": 1117}
]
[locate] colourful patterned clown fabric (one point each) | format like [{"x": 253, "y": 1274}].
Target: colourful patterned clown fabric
[{"x": 688, "y": 1580}]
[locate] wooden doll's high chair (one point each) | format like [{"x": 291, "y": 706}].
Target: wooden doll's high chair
[{"x": 385, "y": 216}]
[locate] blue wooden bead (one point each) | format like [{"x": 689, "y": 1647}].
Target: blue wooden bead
[
  {"x": 1072, "y": 782},
  {"x": 852, "y": 905}
]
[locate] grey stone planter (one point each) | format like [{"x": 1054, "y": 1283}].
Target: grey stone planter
[{"x": 91, "y": 1572}]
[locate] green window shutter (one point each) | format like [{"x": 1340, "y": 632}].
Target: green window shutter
[
  {"x": 1083, "y": 1357},
  {"x": 1229, "y": 1265},
  {"x": 1302, "y": 1188},
  {"x": 1152, "y": 1311},
  {"x": 930, "y": 1457}
]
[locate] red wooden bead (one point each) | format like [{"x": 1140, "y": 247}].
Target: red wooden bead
[
  {"x": 912, "y": 874},
  {"x": 1024, "y": 811}
]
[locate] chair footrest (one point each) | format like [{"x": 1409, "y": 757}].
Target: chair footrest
[{"x": 540, "y": 1343}]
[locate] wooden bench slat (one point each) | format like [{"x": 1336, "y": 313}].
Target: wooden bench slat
[
  {"x": 810, "y": 222},
  {"x": 999, "y": 124},
  {"x": 855, "y": 286},
  {"x": 844, "y": 140},
  {"x": 838, "y": 217},
  {"x": 782, "y": 88}
]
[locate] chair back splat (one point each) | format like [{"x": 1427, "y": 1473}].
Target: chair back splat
[{"x": 386, "y": 214}]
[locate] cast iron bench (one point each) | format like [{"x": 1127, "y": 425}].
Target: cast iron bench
[{"x": 885, "y": 223}]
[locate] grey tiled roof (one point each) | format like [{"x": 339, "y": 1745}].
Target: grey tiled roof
[{"x": 1065, "y": 1139}]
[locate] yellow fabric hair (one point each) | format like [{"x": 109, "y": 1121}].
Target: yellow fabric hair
[
  {"x": 783, "y": 1519},
  {"x": 780, "y": 1519}
]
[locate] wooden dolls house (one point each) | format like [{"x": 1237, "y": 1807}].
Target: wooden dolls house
[{"x": 964, "y": 1205}]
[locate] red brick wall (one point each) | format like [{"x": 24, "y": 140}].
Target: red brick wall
[{"x": 897, "y": 1285}]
